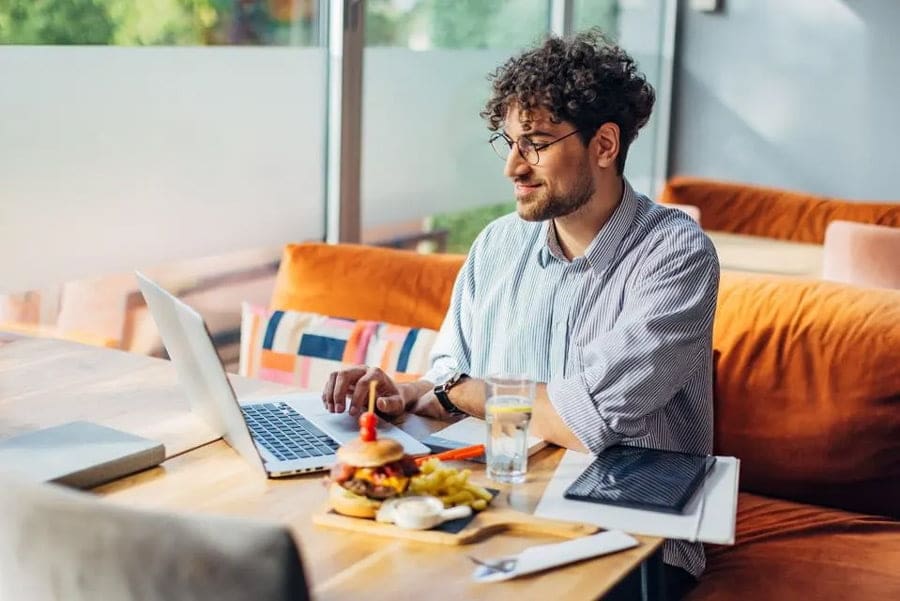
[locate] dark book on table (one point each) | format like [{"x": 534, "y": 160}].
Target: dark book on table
[{"x": 642, "y": 478}]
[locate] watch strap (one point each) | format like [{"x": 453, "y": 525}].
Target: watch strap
[{"x": 441, "y": 391}]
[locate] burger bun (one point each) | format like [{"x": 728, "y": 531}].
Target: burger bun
[
  {"x": 346, "y": 502},
  {"x": 375, "y": 453}
]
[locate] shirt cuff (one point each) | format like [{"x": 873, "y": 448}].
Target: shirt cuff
[
  {"x": 438, "y": 374},
  {"x": 573, "y": 403}
]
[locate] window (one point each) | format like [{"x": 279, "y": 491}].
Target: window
[
  {"x": 117, "y": 157},
  {"x": 425, "y": 150},
  {"x": 426, "y": 163},
  {"x": 203, "y": 144}
]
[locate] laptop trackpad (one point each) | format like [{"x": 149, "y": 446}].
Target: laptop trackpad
[{"x": 343, "y": 428}]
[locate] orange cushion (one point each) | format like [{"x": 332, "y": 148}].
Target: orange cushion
[
  {"x": 769, "y": 212},
  {"x": 365, "y": 282},
  {"x": 787, "y": 550},
  {"x": 807, "y": 389}
]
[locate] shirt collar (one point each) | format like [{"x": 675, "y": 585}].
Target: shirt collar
[
  {"x": 603, "y": 247},
  {"x": 549, "y": 249}
]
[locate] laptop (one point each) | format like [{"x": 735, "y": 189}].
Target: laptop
[
  {"x": 284, "y": 435},
  {"x": 78, "y": 454}
]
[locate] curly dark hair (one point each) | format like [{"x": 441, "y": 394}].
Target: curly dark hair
[{"x": 586, "y": 80}]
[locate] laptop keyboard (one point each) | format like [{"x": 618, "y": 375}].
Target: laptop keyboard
[{"x": 285, "y": 433}]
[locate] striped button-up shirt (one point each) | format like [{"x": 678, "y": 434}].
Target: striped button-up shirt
[{"x": 622, "y": 335}]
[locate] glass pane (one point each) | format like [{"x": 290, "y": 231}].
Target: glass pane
[
  {"x": 596, "y": 13},
  {"x": 427, "y": 24},
  {"x": 160, "y": 22},
  {"x": 427, "y": 163},
  {"x": 195, "y": 165},
  {"x": 639, "y": 27}
]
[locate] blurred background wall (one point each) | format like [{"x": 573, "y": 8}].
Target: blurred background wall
[{"x": 799, "y": 94}]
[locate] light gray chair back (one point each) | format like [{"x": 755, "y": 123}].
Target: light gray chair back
[{"x": 57, "y": 544}]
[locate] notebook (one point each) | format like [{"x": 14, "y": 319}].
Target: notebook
[
  {"x": 467, "y": 432},
  {"x": 642, "y": 478}
]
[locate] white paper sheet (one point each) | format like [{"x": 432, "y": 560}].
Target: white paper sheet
[
  {"x": 717, "y": 513},
  {"x": 544, "y": 557},
  {"x": 472, "y": 431}
]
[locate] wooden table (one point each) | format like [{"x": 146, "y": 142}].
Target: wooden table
[
  {"x": 739, "y": 252},
  {"x": 46, "y": 382}
]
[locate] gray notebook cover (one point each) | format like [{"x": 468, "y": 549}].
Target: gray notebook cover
[{"x": 78, "y": 454}]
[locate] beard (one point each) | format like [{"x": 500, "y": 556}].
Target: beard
[{"x": 542, "y": 205}]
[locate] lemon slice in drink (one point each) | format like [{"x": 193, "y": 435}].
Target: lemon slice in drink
[{"x": 510, "y": 409}]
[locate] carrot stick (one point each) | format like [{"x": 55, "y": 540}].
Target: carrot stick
[{"x": 455, "y": 454}]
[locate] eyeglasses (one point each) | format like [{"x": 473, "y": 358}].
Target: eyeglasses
[{"x": 528, "y": 150}]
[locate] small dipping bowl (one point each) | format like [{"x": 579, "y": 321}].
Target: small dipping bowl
[{"x": 424, "y": 512}]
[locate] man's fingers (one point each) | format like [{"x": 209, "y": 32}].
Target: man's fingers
[
  {"x": 328, "y": 392},
  {"x": 390, "y": 405},
  {"x": 344, "y": 380},
  {"x": 359, "y": 401}
]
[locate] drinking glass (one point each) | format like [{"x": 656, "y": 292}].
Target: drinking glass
[{"x": 509, "y": 400}]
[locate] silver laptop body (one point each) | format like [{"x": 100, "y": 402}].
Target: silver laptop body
[
  {"x": 78, "y": 454},
  {"x": 291, "y": 433}
]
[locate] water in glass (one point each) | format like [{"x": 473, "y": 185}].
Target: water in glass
[{"x": 507, "y": 438}]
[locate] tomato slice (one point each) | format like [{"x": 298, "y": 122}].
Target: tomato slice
[
  {"x": 367, "y": 435},
  {"x": 368, "y": 420}
]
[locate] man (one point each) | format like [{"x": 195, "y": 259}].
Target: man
[{"x": 593, "y": 290}]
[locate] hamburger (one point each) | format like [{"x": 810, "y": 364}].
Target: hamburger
[{"x": 367, "y": 473}]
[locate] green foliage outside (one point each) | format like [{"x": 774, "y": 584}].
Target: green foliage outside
[
  {"x": 464, "y": 226},
  {"x": 422, "y": 24},
  {"x": 477, "y": 23},
  {"x": 149, "y": 23},
  {"x": 457, "y": 23}
]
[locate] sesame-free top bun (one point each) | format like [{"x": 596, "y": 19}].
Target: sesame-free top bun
[{"x": 370, "y": 454}]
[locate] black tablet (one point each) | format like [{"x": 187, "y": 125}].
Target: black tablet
[{"x": 642, "y": 478}]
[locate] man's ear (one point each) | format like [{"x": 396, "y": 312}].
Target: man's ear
[{"x": 605, "y": 145}]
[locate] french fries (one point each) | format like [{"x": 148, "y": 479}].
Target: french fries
[{"x": 450, "y": 485}]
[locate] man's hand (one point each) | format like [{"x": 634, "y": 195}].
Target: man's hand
[
  {"x": 353, "y": 382},
  {"x": 429, "y": 406}
]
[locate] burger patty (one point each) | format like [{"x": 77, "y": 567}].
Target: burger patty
[
  {"x": 341, "y": 472},
  {"x": 368, "y": 489}
]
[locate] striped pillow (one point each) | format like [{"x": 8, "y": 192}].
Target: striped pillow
[{"x": 302, "y": 349}]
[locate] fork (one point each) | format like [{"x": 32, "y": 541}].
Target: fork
[{"x": 503, "y": 566}]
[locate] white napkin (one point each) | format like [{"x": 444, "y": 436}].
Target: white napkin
[{"x": 541, "y": 557}]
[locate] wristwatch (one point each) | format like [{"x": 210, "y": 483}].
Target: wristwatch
[{"x": 441, "y": 391}]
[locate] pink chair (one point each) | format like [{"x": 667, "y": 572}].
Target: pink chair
[{"x": 862, "y": 254}]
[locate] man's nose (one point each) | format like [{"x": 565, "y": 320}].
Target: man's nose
[{"x": 516, "y": 166}]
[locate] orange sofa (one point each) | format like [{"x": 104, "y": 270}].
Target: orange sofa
[
  {"x": 769, "y": 212},
  {"x": 807, "y": 392}
]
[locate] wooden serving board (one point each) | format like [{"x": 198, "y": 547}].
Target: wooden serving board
[{"x": 483, "y": 525}]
